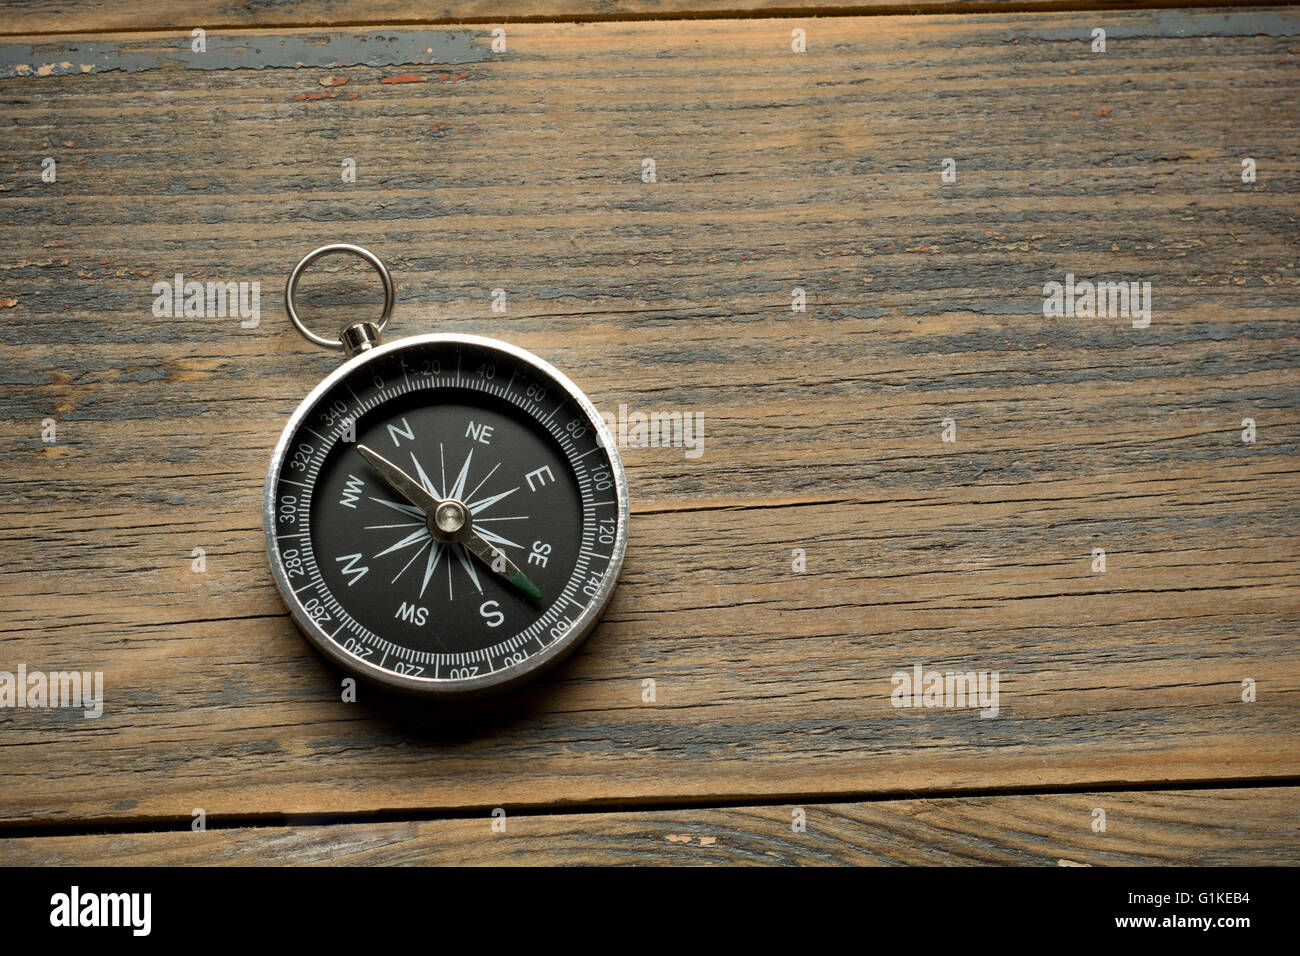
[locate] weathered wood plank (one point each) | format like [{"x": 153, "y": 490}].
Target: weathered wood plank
[
  {"x": 92, "y": 16},
  {"x": 1162, "y": 828},
  {"x": 822, "y": 429}
]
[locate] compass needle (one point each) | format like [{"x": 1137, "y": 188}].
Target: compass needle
[
  {"x": 357, "y": 529},
  {"x": 399, "y": 481},
  {"x": 496, "y": 559}
]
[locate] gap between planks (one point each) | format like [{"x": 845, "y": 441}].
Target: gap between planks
[{"x": 91, "y": 826}]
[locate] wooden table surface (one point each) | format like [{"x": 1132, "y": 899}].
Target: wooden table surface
[{"x": 1163, "y": 691}]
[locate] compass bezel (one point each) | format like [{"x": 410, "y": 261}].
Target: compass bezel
[{"x": 448, "y": 688}]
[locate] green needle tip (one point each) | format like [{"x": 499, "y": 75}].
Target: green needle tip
[{"x": 520, "y": 580}]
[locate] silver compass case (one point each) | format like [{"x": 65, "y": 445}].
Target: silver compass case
[{"x": 349, "y": 655}]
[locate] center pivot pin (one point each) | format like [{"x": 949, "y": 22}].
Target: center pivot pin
[{"x": 449, "y": 520}]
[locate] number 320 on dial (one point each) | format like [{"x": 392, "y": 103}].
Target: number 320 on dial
[{"x": 446, "y": 514}]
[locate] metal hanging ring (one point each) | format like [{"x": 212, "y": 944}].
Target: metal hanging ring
[{"x": 292, "y": 285}]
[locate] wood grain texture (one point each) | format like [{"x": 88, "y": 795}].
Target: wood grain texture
[
  {"x": 1207, "y": 827},
  {"x": 822, "y": 430}
]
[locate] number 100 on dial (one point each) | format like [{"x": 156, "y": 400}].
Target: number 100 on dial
[{"x": 446, "y": 515}]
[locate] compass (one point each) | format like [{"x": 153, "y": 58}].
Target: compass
[{"x": 444, "y": 514}]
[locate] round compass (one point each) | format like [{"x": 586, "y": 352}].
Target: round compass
[{"x": 445, "y": 514}]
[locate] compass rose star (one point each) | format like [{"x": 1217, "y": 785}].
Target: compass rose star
[{"x": 415, "y": 534}]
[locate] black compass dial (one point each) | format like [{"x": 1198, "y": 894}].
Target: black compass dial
[{"x": 443, "y": 515}]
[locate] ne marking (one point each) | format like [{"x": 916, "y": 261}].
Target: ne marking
[{"x": 539, "y": 634}]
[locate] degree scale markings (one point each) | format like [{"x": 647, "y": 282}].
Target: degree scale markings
[{"x": 539, "y": 633}]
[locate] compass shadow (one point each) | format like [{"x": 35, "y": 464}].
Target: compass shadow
[{"x": 454, "y": 721}]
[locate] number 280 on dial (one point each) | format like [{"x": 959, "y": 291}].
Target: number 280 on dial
[{"x": 446, "y": 514}]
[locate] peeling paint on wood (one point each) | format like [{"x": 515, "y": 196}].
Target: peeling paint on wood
[
  {"x": 246, "y": 52},
  {"x": 823, "y": 428}
]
